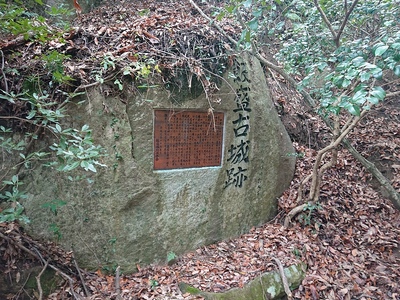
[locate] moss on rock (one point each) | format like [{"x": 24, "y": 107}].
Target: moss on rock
[{"x": 266, "y": 286}]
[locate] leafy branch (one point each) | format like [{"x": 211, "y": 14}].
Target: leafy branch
[
  {"x": 357, "y": 95},
  {"x": 35, "y": 113}
]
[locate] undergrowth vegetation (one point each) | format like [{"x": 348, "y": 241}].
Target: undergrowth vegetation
[
  {"x": 346, "y": 57},
  {"x": 34, "y": 110}
]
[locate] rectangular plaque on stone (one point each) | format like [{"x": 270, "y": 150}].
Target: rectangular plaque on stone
[{"x": 187, "y": 139}]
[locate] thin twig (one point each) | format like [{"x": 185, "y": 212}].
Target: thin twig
[
  {"x": 81, "y": 277},
  {"x": 335, "y": 35},
  {"x": 393, "y": 94},
  {"x": 224, "y": 80},
  {"x": 84, "y": 87},
  {"x": 19, "y": 40},
  {"x": 70, "y": 280},
  {"x": 38, "y": 280},
  {"x": 22, "y": 286},
  {"x": 212, "y": 22},
  {"x": 210, "y": 109},
  {"x": 2, "y": 72},
  {"x": 284, "y": 279},
  {"x": 117, "y": 285},
  {"x": 330, "y": 147},
  {"x": 17, "y": 118}
]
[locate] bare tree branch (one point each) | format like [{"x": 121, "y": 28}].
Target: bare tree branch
[
  {"x": 326, "y": 21},
  {"x": 336, "y": 35},
  {"x": 117, "y": 283},
  {"x": 81, "y": 277},
  {"x": 2, "y": 72},
  {"x": 343, "y": 25},
  {"x": 393, "y": 94},
  {"x": 284, "y": 279},
  {"x": 38, "y": 280}
]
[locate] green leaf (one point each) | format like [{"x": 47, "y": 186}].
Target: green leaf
[
  {"x": 258, "y": 13},
  {"x": 377, "y": 73},
  {"x": 230, "y": 9},
  {"x": 380, "y": 50},
  {"x": 338, "y": 80},
  {"x": 247, "y": 3},
  {"x": 365, "y": 76},
  {"x": 220, "y": 15},
  {"x": 248, "y": 37},
  {"x": 171, "y": 256},
  {"x": 8, "y": 98},
  {"x": 346, "y": 83},
  {"x": 293, "y": 16},
  {"x": 84, "y": 164},
  {"x": 353, "y": 109},
  {"x": 321, "y": 66},
  {"x": 120, "y": 86},
  {"x": 31, "y": 114},
  {"x": 368, "y": 65},
  {"x": 378, "y": 92},
  {"x": 280, "y": 25},
  {"x": 359, "y": 96},
  {"x": 358, "y": 61},
  {"x": 253, "y": 24},
  {"x": 373, "y": 100},
  {"x": 397, "y": 70},
  {"x": 342, "y": 66},
  {"x": 74, "y": 165},
  {"x": 351, "y": 73},
  {"x": 92, "y": 168}
]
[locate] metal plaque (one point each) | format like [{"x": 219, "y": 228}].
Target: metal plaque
[{"x": 187, "y": 139}]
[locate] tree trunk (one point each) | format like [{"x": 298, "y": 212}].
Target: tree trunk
[{"x": 394, "y": 196}]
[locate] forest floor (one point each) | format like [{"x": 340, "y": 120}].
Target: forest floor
[{"x": 350, "y": 241}]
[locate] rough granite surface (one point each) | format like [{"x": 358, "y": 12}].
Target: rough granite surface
[{"x": 129, "y": 214}]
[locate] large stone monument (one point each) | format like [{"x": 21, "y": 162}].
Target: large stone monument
[{"x": 181, "y": 172}]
